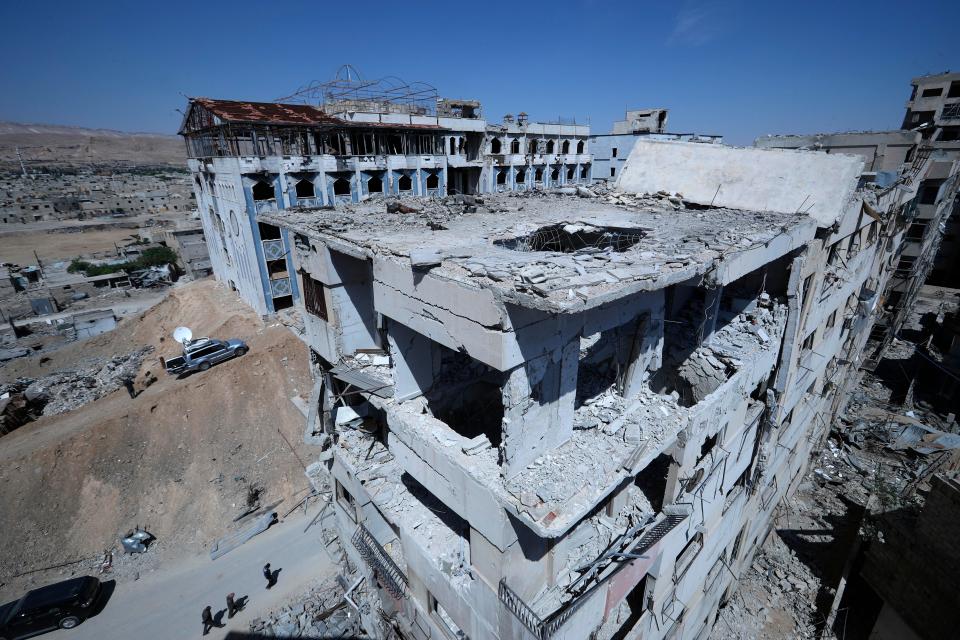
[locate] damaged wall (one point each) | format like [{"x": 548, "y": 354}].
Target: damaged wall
[{"x": 755, "y": 179}]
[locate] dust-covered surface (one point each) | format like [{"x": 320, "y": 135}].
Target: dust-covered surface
[
  {"x": 859, "y": 479},
  {"x": 183, "y": 458}
]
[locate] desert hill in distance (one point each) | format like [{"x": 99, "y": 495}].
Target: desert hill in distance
[{"x": 56, "y": 146}]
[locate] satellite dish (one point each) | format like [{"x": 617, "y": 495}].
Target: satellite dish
[{"x": 182, "y": 335}]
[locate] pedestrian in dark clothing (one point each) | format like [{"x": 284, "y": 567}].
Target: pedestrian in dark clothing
[
  {"x": 231, "y": 605},
  {"x": 207, "y": 620},
  {"x": 268, "y": 574}
]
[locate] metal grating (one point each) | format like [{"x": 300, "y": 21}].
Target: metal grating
[
  {"x": 544, "y": 629},
  {"x": 388, "y": 573}
]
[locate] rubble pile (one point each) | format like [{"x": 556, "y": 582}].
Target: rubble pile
[
  {"x": 776, "y": 599},
  {"x": 322, "y": 612},
  {"x": 66, "y": 390}
]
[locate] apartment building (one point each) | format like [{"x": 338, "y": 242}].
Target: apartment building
[
  {"x": 610, "y": 150},
  {"x": 576, "y": 421},
  {"x": 252, "y": 157},
  {"x": 925, "y": 154}
]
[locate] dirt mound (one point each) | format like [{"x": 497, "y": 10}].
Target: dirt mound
[{"x": 180, "y": 458}]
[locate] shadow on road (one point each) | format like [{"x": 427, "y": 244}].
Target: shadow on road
[
  {"x": 240, "y": 635},
  {"x": 106, "y": 592}
]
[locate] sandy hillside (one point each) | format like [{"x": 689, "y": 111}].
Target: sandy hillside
[{"x": 179, "y": 458}]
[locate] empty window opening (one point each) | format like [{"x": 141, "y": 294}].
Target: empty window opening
[
  {"x": 614, "y": 152},
  {"x": 538, "y": 174},
  {"x": 571, "y": 172},
  {"x": 565, "y": 148},
  {"x": 652, "y": 481},
  {"x": 467, "y": 396},
  {"x": 268, "y": 231},
  {"x": 502, "y": 176},
  {"x": 453, "y": 146},
  {"x": 277, "y": 268},
  {"x": 580, "y": 147},
  {"x": 433, "y": 181},
  {"x": 283, "y": 302},
  {"x": 515, "y": 146},
  {"x": 932, "y": 93},
  {"x": 314, "y": 297},
  {"x": 532, "y": 147},
  {"x": 555, "y": 175},
  {"x": 495, "y": 145},
  {"x": 345, "y": 500},
  {"x": 341, "y": 187},
  {"x": 635, "y": 604},
  {"x": 708, "y": 445},
  {"x": 550, "y": 146},
  {"x": 375, "y": 185},
  {"x": 928, "y": 191},
  {"x": 305, "y": 189},
  {"x": 569, "y": 238},
  {"x": 521, "y": 176},
  {"x": 613, "y": 172},
  {"x": 954, "y": 90},
  {"x": 449, "y": 627},
  {"x": 405, "y": 183},
  {"x": 583, "y": 173},
  {"x": 263, "y": 191}
]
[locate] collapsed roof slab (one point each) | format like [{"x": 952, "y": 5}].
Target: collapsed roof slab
[{"x": 780, "y": 180}]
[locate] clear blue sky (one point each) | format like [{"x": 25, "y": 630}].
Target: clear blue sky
[{"x": 737, "y": 68}]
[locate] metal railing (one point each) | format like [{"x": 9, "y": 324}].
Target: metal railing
[
  {"x": 628, "y": 548},
  {"x": 389, "y": 574}
]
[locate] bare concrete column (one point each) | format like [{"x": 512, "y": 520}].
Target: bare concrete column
[
  {"x": 415, "y": 361},
  {"x": 645, "y": 354},
  {"x": 538, "y": 401},
  {"x": 711, "y": 308}
]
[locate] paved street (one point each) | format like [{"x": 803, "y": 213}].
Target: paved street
[{"x": 166, "y": 604}]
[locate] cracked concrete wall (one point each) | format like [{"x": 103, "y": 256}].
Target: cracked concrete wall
[{"x": 781, "y": 180}]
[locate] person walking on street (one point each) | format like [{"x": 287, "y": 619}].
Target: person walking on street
[
  {"x": 207, "y": 620},
  {"x": 231, "y": 605},
  {"x": 268, "y": 574}
]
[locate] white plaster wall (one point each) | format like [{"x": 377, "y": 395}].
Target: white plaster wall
[{"x": 784, "y": 181}]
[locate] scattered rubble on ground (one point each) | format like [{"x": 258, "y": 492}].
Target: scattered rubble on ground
[{"x": 321, "y": 612}]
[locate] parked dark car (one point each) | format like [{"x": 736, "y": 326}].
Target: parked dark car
[
  {"x": 203, "y": 353},
  {"x": 63, "y": 605}
]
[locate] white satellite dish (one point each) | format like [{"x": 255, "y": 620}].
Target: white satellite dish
[{"x": 182, "y": 335}]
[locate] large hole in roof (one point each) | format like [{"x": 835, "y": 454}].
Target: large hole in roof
[{"x": 568, "y": 238}]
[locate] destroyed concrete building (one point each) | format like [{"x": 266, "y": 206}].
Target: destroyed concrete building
[
  {"x": 927, "y": 153},
  {"x": 365, "y": 140},
  {"x": 576, "y": 421}
]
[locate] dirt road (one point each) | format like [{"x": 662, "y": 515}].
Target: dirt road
[{"x": 166, "y": 604}]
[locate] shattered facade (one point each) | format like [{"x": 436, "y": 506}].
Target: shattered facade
[
  {"x": 576, "y": 421},
  {"x": 922, "y": 159},
  {"x": 254, "y": 157}
]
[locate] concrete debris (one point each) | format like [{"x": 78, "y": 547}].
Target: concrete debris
[{"x": 321, "y": 612}]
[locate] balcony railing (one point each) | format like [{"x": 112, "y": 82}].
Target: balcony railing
[
  {"x": 629, "y": 547},
  {"x": 280, "y": 287},
  {"x": 388, "y": 573},
  {"x": 308, "y": 202},
  {"x": 265, "y": 205},
  {"x": 273, "y": 249}
]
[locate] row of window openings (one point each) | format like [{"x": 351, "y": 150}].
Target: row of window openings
[
  {"x": 532, "y": 147},
  {"x": 935, "y": 92},
  {"x": 521, "y": 176},
  {"x": 341, "y": 187}
]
